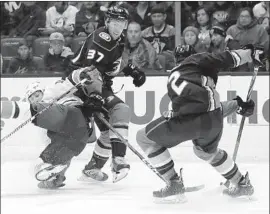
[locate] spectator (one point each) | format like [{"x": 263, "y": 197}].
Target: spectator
[
  {"x": 60, "y": 18},
  {"x": 143, "y": 9},
  {"x": 7, "y": 16},
  {"x": 77, "y": 4},
  {"x": 202, "y": 17},
  {"x": 87, "y": 19},
  {"x": 169, "y": 10},
  {"x": 247, "y": 31},
  {"x": 161, "y": 36},
  {"x": 190, "y": 38},
  {"x": 190, "y": 35},
  {"x": 139, "y": 51},
  {"x": 225, "y": 13},
  {"x": 187, "y": 14},
  {"x": 29, "y": 18},
  {"x": 260, "y": 10},
  {"x": 264, "y": 22},
  {"x": 218, "y": 34},
  {"x": 23, "y": 63},
  {"x": 1, "y": 64},
  {"x": 57, "y": 53}
]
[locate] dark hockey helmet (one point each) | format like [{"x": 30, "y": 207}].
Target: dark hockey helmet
[{"x": 116, "y": 12}]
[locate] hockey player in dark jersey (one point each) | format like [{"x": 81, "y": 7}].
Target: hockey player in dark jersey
[
  {"x": 66, "y": 121},
  {"x": 196, "y": 115},
  {"x": 103, "y": 49}
]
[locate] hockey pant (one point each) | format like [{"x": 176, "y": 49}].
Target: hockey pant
[
  {"x": 68, "y": 131},
  {"x": 205, "y": 131}
]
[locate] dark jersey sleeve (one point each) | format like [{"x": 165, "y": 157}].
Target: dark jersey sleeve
[{"x": 211, "y": 61}]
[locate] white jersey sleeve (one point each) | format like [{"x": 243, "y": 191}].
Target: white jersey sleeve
[{"x": 59, "y": 88}]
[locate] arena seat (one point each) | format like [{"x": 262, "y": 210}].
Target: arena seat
[
  {"x": 9, "y": 47},
  {"x": 41, "y": 46},
  {"x": 5, "y": 65},
  {"x": 40, "y": 63},
  {"x": 76, "y": 43}
]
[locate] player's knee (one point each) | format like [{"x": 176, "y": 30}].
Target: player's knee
[
  {"x": 143, "y": 141},
  {"x": 206, "y": 156},
  {"x": 120, "y": 112},
  {"x": 61, "y": 153},
  {"x": 104, "y": 137}
]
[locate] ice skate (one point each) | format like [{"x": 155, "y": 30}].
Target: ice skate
[
  {"x": 173, "y": 192},
  {"x": 243, "y": 188},
  {"x": 53, "y": 183},
  {"x": 120, "y": 168},
  {"x": 46, "y": 171},
  {"x": 92, "y": 174}
]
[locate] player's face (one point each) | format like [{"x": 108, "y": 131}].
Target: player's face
[
  {"x": 57, "y": 46},
  {"x": 190, "y": 38},
  {"x": 134, "y": 33},
  {"x": 116, "y": 27},
  {"x": 36, "y": 97},
  {"x": 202, "y": 17},
  {"x": 23, "y": 52},
  {"x": 158, "y": 19}
]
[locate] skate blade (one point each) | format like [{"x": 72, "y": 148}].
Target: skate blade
[
  {"x": 49, "y": 172},
  {"x": 122, "y": 173},
  {"x": 174, "y": 199},
  {"x": 43, "y": 185},
  {"x": 86, "y": 179}
]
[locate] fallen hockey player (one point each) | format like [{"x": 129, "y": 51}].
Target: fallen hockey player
[
  {"x": 196, "y": 115},
  {"x": 67, "y": 124}
]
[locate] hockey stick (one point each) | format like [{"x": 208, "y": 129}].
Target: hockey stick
[
  {"x": 73, "y": 89},
  {"x": 241, "y": 127},
  {"x": 244, "y": 118},
  {"x": 187, "y": 189}
]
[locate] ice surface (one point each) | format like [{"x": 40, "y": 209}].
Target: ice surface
[{"x": 19, "y": 193}]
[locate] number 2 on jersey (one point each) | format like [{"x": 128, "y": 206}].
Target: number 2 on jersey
[
  {"x": 92, "y": 54},
  {"x": 178, "y": 89}
]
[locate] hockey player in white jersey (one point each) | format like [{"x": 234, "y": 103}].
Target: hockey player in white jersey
[{"x": 66, "y": 122}]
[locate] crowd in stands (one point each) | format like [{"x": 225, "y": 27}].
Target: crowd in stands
[{"x": 37, "y": 37}]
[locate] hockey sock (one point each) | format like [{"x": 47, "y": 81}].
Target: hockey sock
[
  {"x": 14, "y": 110},
  {"x": 162, "y": 161},
  {"x": 100, "y": 156},
  {"x": 226, "y": 167},
  {"x": 118, "y": 148}
]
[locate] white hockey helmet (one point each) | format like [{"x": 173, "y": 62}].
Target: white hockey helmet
[{"x": 32, "y": 88}]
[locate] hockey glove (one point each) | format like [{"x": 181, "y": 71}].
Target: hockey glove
[
  {"x": 245, "y": 109},
  {"x": 94, "y": 102},
  {"x": 183, "y": 51},
  {"x": 137, "y": 75},
  {"x": 256, "y": 53},
  {"x": 83, "y": 73}
]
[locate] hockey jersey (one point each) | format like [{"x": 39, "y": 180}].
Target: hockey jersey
[
  {"x": 192, "y": 85},
  {"x": 103, "y": 52},
  {"x": 161, "y": 41}
]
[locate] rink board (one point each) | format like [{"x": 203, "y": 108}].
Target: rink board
[{"x": 147, "y": 103}]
